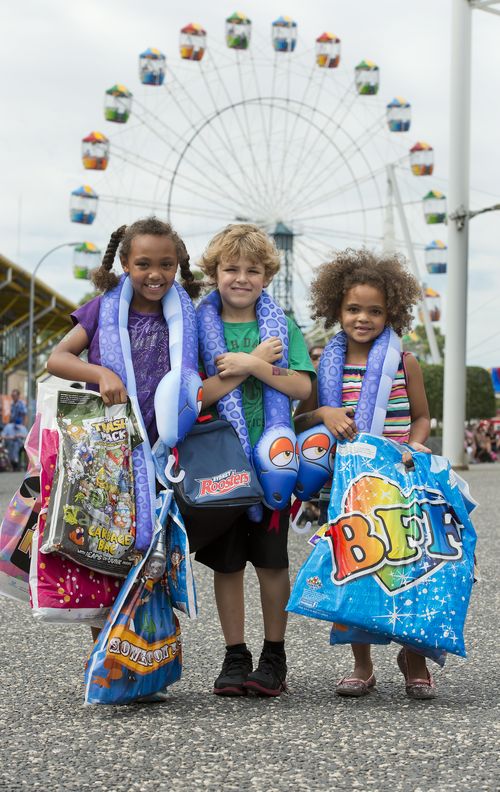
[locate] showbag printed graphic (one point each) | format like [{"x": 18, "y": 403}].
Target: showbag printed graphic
[
  {"x": 398, "y": 536},
  {"x": 91, "y": 515}
]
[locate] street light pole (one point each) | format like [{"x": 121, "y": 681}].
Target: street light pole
[
  {"x": 29, "y": 388},
  {"x": 458, "y": 232}
]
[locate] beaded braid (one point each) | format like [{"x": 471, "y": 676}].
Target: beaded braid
[{"x": 103, "y": 277}]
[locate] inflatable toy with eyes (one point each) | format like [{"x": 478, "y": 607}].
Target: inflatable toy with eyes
[
  {"x": 178, "y": 395},
  {"x": 275, "y": 456},
  {"x": 317, "y": 444}
]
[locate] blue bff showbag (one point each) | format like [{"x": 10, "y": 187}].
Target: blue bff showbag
[{"x": 397, "y": 556}]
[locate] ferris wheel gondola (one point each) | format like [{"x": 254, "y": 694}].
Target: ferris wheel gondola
[
  {"x": 399, "y": 115},
  {"x": 83, "y": 205},
  {"x": 117, "y": 104},
  {"x": 422, "y": 159},
  {"x": 95, "y": 151},
  {"x": 327, "y": 51},
  {"x": 192, "y": 42},
  {"x": 152, "y": 65},
  {"x": 238, "y": 31}
]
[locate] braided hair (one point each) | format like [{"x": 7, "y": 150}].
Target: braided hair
[{"x": 121, "y": 240}]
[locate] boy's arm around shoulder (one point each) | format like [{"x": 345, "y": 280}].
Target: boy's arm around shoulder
[{"x": 419, "y": 408}]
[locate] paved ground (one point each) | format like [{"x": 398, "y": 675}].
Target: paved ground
[{"x": 308, "y": 740}]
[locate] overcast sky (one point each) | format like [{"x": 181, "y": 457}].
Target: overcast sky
[{"x": 58, "y": 57}]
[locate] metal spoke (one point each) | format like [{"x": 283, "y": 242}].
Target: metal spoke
[
  {"x": 320, "y": 131},
  {"x": 232, "y": 151},
  {"x": 220, "y": 165},
  {"x": 164, "y": 174},
  {"x": 246, "y": 132},
  {"x": 204, "y": 162}
]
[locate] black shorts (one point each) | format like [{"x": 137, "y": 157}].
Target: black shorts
[{"x": 249, "y": 541}]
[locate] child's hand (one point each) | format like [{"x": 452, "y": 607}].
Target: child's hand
[
  {"x": 407, "y": 458},
  {"x": 270, "y": 350},
  {"x": 234, "y": 364},
  {"x": 340, "y": 421},
  {"x": 111, "y": 388},
  {"x": 420, "y": 447}
]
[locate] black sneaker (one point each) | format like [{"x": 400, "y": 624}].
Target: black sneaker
[
  {"x": 235, "y": 669},
  {"x": 269, "y": 678}
]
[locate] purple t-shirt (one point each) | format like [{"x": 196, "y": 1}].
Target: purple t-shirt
[{"x": 150, "y": 354}]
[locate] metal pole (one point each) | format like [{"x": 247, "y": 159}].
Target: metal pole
[
  {"x": 431, "y": 338},
  {"x": 458, "y": 231},
  {"x": 29, "y": 387}
]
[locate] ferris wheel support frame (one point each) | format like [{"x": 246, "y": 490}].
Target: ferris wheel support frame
[{"x": 429, "y": 329}]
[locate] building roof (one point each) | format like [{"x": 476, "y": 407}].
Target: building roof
[{"x": 51, "y": 316}]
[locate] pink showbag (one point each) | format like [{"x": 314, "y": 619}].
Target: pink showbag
[
  {"x": 18, "y": 525},
  {"x": 62, "y": 590}
]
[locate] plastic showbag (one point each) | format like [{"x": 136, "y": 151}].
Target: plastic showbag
[
  {"x": 62, "y": 590},
  {"x": 342, "y": 634},
  {"x": 91, "y": 517},
  {"x": 179, "y": 569},
  {"x": 138, "y": 651},
  {"x": 397, "y": 558},
  {"x": 18, "y": 525}
]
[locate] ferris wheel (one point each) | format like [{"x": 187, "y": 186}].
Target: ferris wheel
[{"x": 258, "y": 128}]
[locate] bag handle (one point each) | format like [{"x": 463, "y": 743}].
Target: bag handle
[{"x": 173, "y": 461}]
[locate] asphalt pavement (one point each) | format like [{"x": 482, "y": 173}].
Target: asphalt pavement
[{"x": 308, "y": 740}]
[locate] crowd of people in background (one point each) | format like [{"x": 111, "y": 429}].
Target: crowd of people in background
[
  {"x": 13, "y": 434},
  {"x": 482, "y": 442}
]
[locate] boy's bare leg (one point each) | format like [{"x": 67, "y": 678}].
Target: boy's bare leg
[
  {"x": 229, "y": 596},
  {"x": 274, "y": 594}
]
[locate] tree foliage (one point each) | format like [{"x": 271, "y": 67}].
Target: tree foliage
[
  {"x": 417, "y": 342},
  {"x": 480, "y": 396}
]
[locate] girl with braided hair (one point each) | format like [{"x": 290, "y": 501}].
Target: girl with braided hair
[{"x": 150, "y": 253}]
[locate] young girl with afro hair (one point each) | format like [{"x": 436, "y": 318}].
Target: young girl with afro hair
[{"x": 364, "y": 292}]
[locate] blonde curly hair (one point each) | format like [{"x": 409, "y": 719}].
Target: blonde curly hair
[{"x": 235, "y": 241}]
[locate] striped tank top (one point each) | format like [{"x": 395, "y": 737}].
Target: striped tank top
[{"x": 398, "y": 417}]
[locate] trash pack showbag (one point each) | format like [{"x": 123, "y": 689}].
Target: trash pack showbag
[
  {"x": 62, "y": 590},
  {"x": 91, "y": 517},
  {"x": 138, "y": 651},
  {"x": 397, "y": 558},
  {"x": 18, "y": 525}
]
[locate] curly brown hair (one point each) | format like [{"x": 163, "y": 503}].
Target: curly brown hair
[
  {"x": 121, "y": 240},
  {"x": 385, "y": 271},
  {"x": 240, "y": 239}
]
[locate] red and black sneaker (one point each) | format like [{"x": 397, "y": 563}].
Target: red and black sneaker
[
  {"x": 235, "y": 669},
  {"x": 269, "y": 678}
]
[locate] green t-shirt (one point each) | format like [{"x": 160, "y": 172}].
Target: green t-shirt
[{"x": 244, "y": 337}]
